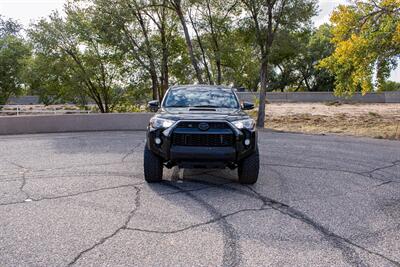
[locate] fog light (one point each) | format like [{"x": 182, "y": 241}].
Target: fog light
[
  {"x": 247, "y": 142},
  {"x": 157, "y": 140}
]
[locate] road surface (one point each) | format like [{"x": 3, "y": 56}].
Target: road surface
[{"x": 79, "y": 199}]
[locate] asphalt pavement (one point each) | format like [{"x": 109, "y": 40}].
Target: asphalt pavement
[{"x": 79, "y": 199}]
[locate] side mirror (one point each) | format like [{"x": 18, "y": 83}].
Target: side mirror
[
  {"x": 247, "y": 106},
  {"x": 154, "y": 105}
]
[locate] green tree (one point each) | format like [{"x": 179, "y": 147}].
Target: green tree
[
  {"x": 143, "y": 32},
  {"x": 76, "y": 44},
  {"x": 53, "y": 81},
  {"x": 13, "y": 54},
  {"x": 391, "y": 86},
  {"x": 297, "y": 54},
  {"x": 265, "y": 18},
  {"x": 367, "y": 39},
  {"x": 180, "y": 10}
]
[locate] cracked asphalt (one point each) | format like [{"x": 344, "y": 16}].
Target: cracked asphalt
[{"x": 79, "y": 199}]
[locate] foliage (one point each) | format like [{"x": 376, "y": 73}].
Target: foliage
[
  {"x": 296, "y": 55},
  {"x": 367, "y": 39},
  {"x": 265, "y": 20},
  {"x": 391, "y": 86},
  {"x": 13, "y": 53},
  {"x": 84, "y": 62}
]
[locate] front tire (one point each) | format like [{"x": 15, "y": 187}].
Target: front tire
[
  {"x": 248, "y": 169},
  {"x": 153, "y": 166}
]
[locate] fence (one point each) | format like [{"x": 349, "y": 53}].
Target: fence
[{"x": 22, "y": 110}]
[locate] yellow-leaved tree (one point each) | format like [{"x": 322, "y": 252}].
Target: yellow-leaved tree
[{"x": 366, "y": 35}]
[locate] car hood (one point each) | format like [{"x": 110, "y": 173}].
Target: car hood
[{"x": 202, "y": 114}]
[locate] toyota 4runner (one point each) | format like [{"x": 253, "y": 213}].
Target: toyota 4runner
[{"x": 198, "y": 126}]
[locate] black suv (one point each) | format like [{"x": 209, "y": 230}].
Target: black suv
[{"x": 200, "y": 126}]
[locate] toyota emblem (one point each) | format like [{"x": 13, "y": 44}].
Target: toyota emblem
[{"x": 204, "y": 126}]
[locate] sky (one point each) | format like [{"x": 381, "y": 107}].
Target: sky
[{"x": 26, "y": 11}]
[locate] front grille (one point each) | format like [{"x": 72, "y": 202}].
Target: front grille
[
  {"x": 188, "y": 133},
  {"x": 210, "y": 140},
  {"x": 195, "y": 125}
]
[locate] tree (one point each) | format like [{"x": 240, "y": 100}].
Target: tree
[
  {"x": 53, "y": 81},
  {"x": 76, "y": 44},
  {"x": 297, "y": 55},
  {"x": 179, "y": 9},
  {"x": 239, "y": 59},
  {"x": 391, "y": 86},
  {"x": 266, "y": 17},
  {"x": 143, "y": 32},
  {"x": 367, "y": 39},
  {"x": 212, "y": 22},
  {"x": 13, "y": 53}
]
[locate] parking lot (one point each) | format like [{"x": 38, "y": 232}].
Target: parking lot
[{"x": 79, "y": 199}]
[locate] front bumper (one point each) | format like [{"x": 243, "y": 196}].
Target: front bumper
[
  {"x": 194, "y": 153},
  {"x": 177, "y": 155}
]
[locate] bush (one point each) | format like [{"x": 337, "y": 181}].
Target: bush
[
  {"x": 121, "y": 108},
  {"x": 391, "y": 86}
]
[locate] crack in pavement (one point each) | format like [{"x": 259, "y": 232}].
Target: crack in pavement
[
  {"x": 368, "y": 174},
  {"x": 77, "y": 166},
  {"x": 71, "y": 195},
  {"x": 337, "y": 241},
  {"x": 104, "y": 239},
  {"x": 387, "y": 182},
  {"x": 318, "y": 168},
  {"x": 133, "y": 150},
  {"x": 371, "y": 172},
  {"x": 213, "y": 220},
  {"x": 74, "y": 175},
  {"x": 343, "y": 244},
  {"x": 232, "y": 254},
  {"x": 208, "y": 185},
  {"x": 23, "y": 178}
]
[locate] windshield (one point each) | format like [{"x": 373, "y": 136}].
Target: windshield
[{"x": 201, "y": 97}]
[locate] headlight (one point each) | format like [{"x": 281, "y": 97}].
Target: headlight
[
  {"x": 158, "y": 123},
  {"x": 244, "y": 124}
]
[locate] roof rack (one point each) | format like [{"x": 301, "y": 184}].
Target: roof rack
[{"x": 201, "y": 85}]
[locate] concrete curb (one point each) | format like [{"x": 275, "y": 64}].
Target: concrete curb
[
  {"x": 74, "y": 123},
  {"x": 315, "y": 97}
]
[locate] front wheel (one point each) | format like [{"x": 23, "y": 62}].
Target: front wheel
[
  {"x": 248, "y": 169},
  {"x": 153, "y": 166}
]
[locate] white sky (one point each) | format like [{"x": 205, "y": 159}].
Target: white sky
[{"x": 26, "y": 11}]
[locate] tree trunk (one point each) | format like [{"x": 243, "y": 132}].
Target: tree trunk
[
  {"x": 149, "y": 53},
  {"x": 178, "y": 9},
  {"x": 217, "y": 51},
  {"x": 210, "y": 80},
  {"x": 263, "y": 89},
  {"x": 154, "y": 84},
  {"x": 164, "y": 67}
]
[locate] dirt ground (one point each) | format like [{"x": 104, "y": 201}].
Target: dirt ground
[{"x": 371, "y": 120}]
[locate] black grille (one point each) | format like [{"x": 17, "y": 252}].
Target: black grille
[
  {"x": 211, "y": 140},
  {"x": 195, "y": 124}
]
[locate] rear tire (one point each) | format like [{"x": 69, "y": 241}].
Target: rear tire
[
  {"x": 248, "y": 169},
  {"x": 153, "y": 166}
]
